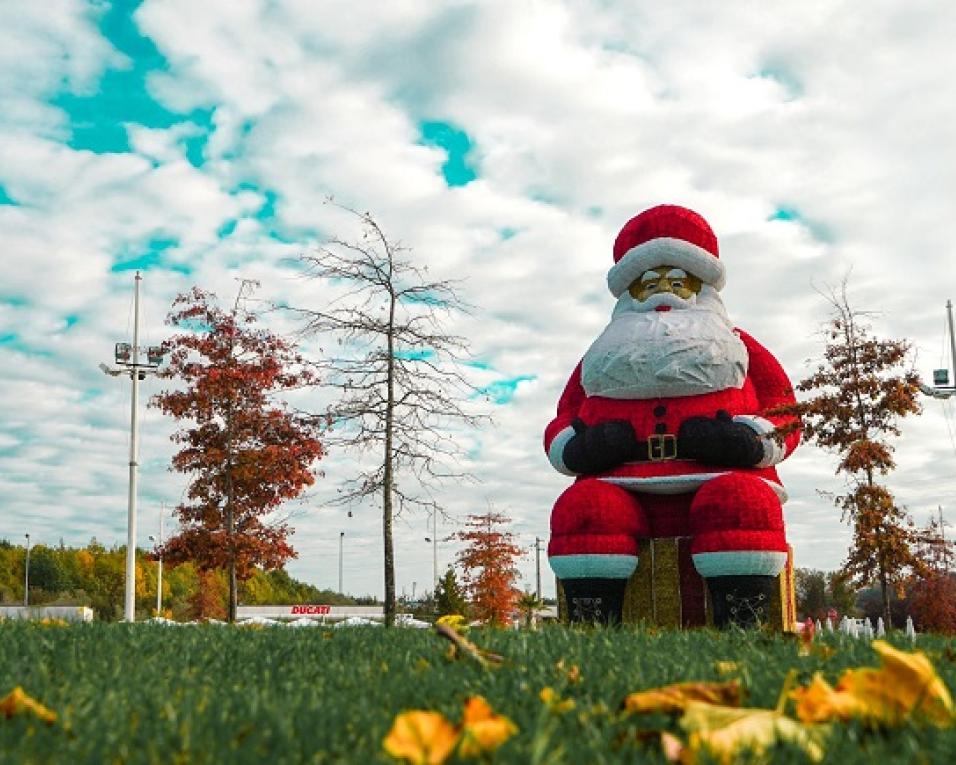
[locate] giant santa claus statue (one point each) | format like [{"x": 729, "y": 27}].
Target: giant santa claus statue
[{"x": 665, "y": 426}]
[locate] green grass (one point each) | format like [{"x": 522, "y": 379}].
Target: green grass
[{"x": 141, "y": 693}]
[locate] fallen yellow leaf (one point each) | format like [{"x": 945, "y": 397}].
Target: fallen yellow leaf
[
  {"x": 905, "y": 686},
  {"x": 672, "y": 699},
  {"x": 727, "y": 733},
  {"x": 820, "y": 702},
  {"x": 483, "y": 731},
  {"x": 456, "y": 621},
  {"x": 726, "y": 667},
  {"x": 550, "y": 698},
  {"x": 18, "y": 703},
  {"x": 421, "y": 737},
  {"x": 572, "y": 673}
]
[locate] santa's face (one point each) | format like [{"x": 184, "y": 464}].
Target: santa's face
[
  {"x": 665, "y": 280},
  {"x": 651, "y": 351}
]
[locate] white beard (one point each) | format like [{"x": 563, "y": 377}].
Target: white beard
[{"x": 643, "y": 353}]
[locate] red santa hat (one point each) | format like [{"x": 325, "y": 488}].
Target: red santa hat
[{"x": 665, "y": 235}]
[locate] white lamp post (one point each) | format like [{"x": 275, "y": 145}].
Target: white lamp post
[
  {"x": 26, "y": 575},
  {"x": 127, "y": 358},
  {"x": 159, "y": 572},
  {"x": 341, "y": 538}
]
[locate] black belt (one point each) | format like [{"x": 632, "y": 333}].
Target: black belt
[{"x": 659, "y": 447}]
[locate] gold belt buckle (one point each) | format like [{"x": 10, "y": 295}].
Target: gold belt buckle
[{"x": 661, "y": 447}]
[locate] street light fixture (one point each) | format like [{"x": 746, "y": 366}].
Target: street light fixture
[
  {"x": 127, "y": 359},
  {"x": 26, "y": 575}
]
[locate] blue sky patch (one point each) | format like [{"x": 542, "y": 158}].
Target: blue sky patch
[
  {"x": 97, "y": 120},
  {"x": 792, "y": 215},
  {"x": 5, "y": 198},
  {"x": 152, "y": 258},
  {"x": 425, "y": 298},
  {"x": 227, "y": 228},
  {"x": 783, "y": 77},
  {"x": 420, "y": 354},
  {"x": 14, "y": 342},
  {"x": 195, "y": 144},
  {"x": 503, "y": 391},
  {"x": 457, "y": 145}
]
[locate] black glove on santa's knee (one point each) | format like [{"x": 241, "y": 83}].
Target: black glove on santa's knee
[
  {"x": 598, "y": 448},
  {"x": 719, "y": 441}
]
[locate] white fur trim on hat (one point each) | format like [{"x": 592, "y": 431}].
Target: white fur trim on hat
[{"x": 665, "y": 251}]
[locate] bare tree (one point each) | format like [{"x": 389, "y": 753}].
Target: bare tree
[{"x": 400, "y": 386}]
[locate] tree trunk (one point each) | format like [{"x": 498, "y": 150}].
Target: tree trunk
[
  {"x": 885, "y": 596},
  {"x": 231, "y": 571},
  {"x": 230, "y": 523},
  {"x": 388, "y": 477}
]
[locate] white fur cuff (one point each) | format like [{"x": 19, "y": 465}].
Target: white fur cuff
[
  {"x": 773, "y": 451},
  {"x": 556, "y": 451}
]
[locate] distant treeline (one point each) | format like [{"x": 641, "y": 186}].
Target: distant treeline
[{"x": 94, "y": 576}]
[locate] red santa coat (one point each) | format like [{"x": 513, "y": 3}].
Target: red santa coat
[{"x": 766, "y": 386}]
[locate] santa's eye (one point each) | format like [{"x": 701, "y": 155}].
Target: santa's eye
[{"x": 677, "y": 284}]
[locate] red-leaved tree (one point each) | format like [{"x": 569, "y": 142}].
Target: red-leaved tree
[
  {"x": 246, "y": 452},
  {"x": 857, "y": 396},
  {"x": 489, "y": 564}
]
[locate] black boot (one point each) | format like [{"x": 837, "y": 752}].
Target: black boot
[
  {"x": 741, "y": 600},
  {"x": 595, "y": 601}
]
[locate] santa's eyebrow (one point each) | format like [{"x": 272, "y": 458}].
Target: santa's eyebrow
[
  {"x": 650, "y": 276},
  {"x": 676, "y": 273}
]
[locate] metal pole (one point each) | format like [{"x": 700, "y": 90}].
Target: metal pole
[
  {"x": 537, "y": 566},
  {"x": 26, "y": 575},
  {"x": 159, "y": 573},
  {"x": 952, "y": 339},
  {"x": 341, "y": 537},
  {"x": 129, "y": 610}
]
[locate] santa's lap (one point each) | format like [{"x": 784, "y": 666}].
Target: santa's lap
[{"x": 735, "y": 522}]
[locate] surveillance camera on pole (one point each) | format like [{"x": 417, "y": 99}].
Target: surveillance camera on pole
[{"x": 127, "y": 361}]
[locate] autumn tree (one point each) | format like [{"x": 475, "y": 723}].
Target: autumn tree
[
  {"x": 398, "y": 385},
  {"x": 489, "y": 561},
  {"x": 932, "y": 592},
  {"x": 857, "y": 396},
  {"x": 246, "y": 451}
]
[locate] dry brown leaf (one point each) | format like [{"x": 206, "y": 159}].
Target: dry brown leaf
[{"x": 673, "y": 699}]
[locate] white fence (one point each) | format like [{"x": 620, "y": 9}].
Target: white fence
[
  {"x": 860, "y": 628},
  {"x": 324, "y": 613},
  {"x": 67, "y": 613}
]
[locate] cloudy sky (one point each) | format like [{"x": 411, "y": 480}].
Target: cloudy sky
[{"x": 506, "y": 143}]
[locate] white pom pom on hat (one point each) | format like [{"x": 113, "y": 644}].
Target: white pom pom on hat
[{"x": 665, "y": 235}]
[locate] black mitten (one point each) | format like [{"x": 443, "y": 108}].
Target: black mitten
[
  {"x": 719, "y": 441},
  {"x": 598, "y": 448}
]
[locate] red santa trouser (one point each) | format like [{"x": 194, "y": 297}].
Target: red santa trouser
[{"x": 735, "y": 522}]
